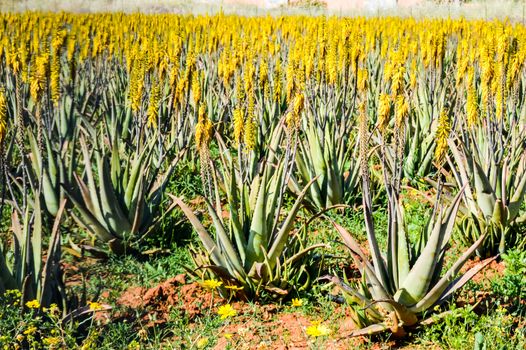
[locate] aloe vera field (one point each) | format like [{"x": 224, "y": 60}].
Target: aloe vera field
[{"x": 271, "y": 181}]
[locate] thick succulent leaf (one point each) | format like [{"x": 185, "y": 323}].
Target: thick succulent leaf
[
  {"x": 51, "y": 272},
  {"x": 258, "y": 236},
  {"x": 88, "y": 219},
  {"x": 92, "y": 186},
  {"x": 110, "y": 205},
  {"x": 466, "y": 277},
  {"x": 417, "y": 282},
  {"x": 209, "y": 244},
  {"x": 235, "y": 223},
  {"x": 224, "y": 241},
  {"x": 485, "y": 195},
  {"x": 34, "y": 230},
  {"x": 373, "y": 282},
  {"x": 378, "y": 262},
  {"x": 438, "y": 289},
  {"x": 463, "y": 176},
  {"x": 403, "y": 257},
  {"x": 370, "y": 330},
  {"x": 281, "y": 238},
  {"x": 137, "y": 171},
  {"x": 517, "y": 197}
]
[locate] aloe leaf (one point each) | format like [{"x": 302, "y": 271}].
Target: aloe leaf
[
  {"x": 402, "y": 247},
  {"x": 417, "y": 282},
  {"x": 35, "y": 233},
  {"x": 378, "y": 262},
  {"x": 438, "y": 289},
  {"x": 404, "y": 314},
  {"x": 237, "y": 228},
  {"x": 463, "y": 176},
  {"x": 517, "y": 197},
  {"x": 223, "y": 240},
  {"x": 208, "y": 242},
  {"x": 51, "y": 270},
  {"x": 281, "y": 238},
  {"x": 111, "y": 207},
  {"x": 485, "y": 195},
  {"x": 466, "y": 277},
  {"x": 258, "y": 227},
  {"x": 136, "y": 167},
  {"x": 92, "y": 187},
  {"x": 88, "y": 219}
]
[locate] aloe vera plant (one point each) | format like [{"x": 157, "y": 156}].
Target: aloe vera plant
[
  {"x": 118, "y": 199},
  {"x": 409, "y": 278},
  {"x": 327, "y": 153},
  {"x": 253, "y": 250},
  {"x": 49, "y": 169},
  {"x": 25, "y": 266},
  {"x": 495, "y": 180}
]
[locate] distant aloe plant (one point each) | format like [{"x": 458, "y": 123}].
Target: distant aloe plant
[
  {"x": 118, "y": 198},
  {"x": 24, "y": 266},
  {"x": 493, "y": 173}
]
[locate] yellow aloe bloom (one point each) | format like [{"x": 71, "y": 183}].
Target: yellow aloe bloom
[
  {"x": 441, "y": 136},
  {"x": 3, "y": 116}
]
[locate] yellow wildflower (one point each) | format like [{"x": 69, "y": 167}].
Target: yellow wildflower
[
  {"x": 33, "y": 304},
  {"x": 30, "y": 331},
  {"x": 51, "y": 341},
  {"x": 202, "y": 343},
  {"x": 226, "y": 311},
  {"x": 94, "y": 306},
  {"x": 316, "y": 329},
  {"x": 297, "y": 302},
  {"x": 211, "y": 284}
]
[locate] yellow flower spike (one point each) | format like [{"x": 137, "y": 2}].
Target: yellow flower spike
[
  {"x": 441, "y": 137},
  {"x": 384, "y": 111},
  {"x": 226, "y": 311},
  {"x": 196, "y": 88},
  {"x": 155, "y": 101},
  {"x": 3, "y": 116},
  {"x": 239, "y": 125},
  {"x": 402, "y": 110},
  {"x": 362, "y": 81}
]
